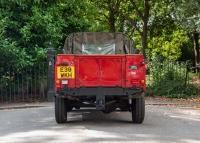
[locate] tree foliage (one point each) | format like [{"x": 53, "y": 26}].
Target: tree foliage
[
  {"x": 187, "y": 16},
  {"x": 167, "y": 45},
  {"x": 28, "y": 26},
  {"x": 160, "y": 27}
]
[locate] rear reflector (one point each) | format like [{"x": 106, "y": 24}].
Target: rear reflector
[
  {"x": 57, "y": 81},
  {"x": 142, "y": 82}
]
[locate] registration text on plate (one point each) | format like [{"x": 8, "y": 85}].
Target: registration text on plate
[{"x": 65, "y": 72}]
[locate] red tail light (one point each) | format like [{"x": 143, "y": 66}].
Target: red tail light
[
  {"x": 57, "y": 63},
  {"x": 142, "y": 63}
]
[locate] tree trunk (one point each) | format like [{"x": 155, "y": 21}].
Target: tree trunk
[
  {"x": 112, "y": 19},
  {"x": 112, "y": 22},
  {"x": 144, "y": 32},
  {"x": 145, "y": 17},
  {"x": 144, "y": 39},
  {"x": 196, "y": 48}
]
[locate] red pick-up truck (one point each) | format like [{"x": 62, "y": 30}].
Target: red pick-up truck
[{"x": 99, "y": 70}]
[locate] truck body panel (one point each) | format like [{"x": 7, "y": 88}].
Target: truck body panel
[{"x": 100, "y": 70}]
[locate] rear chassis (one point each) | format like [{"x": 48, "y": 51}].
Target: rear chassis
[
  {"x": 100, "y": 97},
  {"x": 103, "y": 99}
]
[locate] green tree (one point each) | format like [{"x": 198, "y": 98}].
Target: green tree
[
  {"x": 165, "y": 36},
  {"x": 105, "y": 15},
  {"x": 187, "y": 16},
  {"x": 10, "y": 53},
  {"x": 137, "y": 14},
  {"x": 31, "y": 25},
  {"x": 167, "y": 45}
]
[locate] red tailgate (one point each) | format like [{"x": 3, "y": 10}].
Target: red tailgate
[{"x": 100, "y": 70}]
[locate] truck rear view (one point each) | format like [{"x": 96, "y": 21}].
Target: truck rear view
[{"x": 99, "y": 70}]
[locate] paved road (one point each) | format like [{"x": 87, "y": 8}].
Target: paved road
[{"x": 161, "y": 124}]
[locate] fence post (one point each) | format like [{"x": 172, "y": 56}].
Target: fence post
[{"x": 50, "y": 76}]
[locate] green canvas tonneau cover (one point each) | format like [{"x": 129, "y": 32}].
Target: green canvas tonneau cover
[{"x": 97, "y": 43}]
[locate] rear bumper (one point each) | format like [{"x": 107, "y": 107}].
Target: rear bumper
[{"x": 91, "y": 91}]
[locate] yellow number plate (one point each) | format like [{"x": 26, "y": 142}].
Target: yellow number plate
[{"x": 65, "y": 72}]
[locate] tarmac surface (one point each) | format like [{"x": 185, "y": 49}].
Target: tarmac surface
[{"x": 165, "y": 122}]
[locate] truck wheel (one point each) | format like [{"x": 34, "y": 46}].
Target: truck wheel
[
  {"x": 60, "y": 110},
  {"x": 138, "y": 109}
]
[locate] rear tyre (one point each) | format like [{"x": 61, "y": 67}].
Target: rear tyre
[
  {"x": 138, "y": 109},
  {"x": 60, "y": 110}
]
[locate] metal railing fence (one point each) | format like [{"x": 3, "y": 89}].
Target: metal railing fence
[
  {"x": 172, "y": 78},
  {"x": 25, "y": 84}
]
